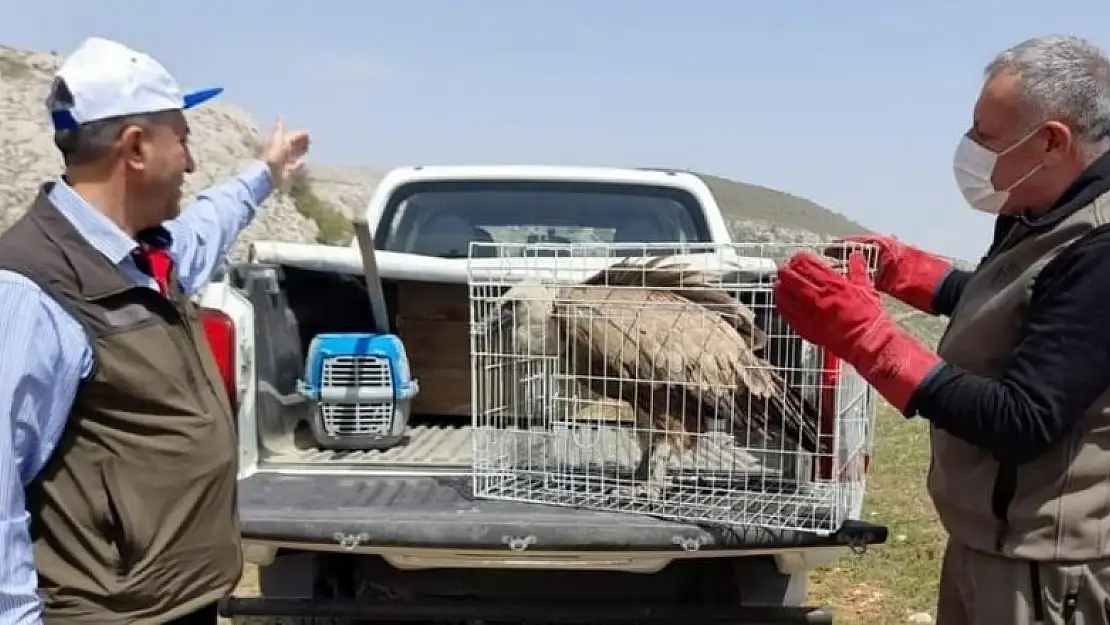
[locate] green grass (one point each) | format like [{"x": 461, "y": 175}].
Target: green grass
[{"x": 887, "y": 583}]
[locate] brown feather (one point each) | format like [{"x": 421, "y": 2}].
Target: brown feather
[
  {"x": 673, "y": 359},
  {"x": 686, "y": 282}
]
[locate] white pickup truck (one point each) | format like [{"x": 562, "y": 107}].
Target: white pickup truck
[{"x": 348, "y": 522}]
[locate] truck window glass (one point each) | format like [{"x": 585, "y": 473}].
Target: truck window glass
[{"x": 442, "y": 218}]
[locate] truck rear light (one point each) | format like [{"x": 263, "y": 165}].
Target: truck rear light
[
  {"x": 219, "y": 329},
  {"x": 826, "y": 469}
]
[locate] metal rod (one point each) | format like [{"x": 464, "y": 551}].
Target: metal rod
[
  {"x": 527, "y": 612},
  {"x": 373, "y": 278}
]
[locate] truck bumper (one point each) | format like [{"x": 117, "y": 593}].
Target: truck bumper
[{"x": 473, "y": 611}]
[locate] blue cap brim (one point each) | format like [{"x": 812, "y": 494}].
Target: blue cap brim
[
  {"x": 63, "y": 120},
  {"x": 200, "y": 97}
]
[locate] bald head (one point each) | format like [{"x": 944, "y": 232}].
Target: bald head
[{"x": 1045, "y": 110}]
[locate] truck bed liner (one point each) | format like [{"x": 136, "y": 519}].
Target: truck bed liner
[
  {"x": 450, "y": 450},
  {"x": 426, "y": 447}
]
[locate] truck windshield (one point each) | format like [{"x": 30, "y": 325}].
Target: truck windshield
[{"x": 442, "y": 218}]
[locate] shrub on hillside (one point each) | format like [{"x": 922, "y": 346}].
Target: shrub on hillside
[{"x": 334, "y": 228}]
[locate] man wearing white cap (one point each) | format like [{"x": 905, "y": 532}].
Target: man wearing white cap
[{"x": 117, "y": 440}]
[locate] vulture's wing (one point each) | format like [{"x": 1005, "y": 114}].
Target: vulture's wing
[
  {"x": 682, "y": 280},
  {"x": 673, "y": 359}
]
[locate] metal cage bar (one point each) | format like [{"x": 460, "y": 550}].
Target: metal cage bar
[{"x": 658, "y": 379}]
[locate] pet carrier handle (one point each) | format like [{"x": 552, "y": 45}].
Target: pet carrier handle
[{"x": 370, "y": 272}]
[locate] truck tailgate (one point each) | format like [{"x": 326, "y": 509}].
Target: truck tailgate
[{"x": 442, "y": 512}]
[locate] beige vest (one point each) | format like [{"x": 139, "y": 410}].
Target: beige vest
[{"x": 1056, "y": 507}]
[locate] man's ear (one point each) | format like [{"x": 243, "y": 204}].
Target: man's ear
[
  {"x": 134, "y": 147},
  {"x": 1059, "y": 142}
]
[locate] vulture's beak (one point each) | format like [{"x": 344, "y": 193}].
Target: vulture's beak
[{"x": 501, "y": 318}]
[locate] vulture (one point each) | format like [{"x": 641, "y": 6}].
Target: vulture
[{"x": 679, "y": 350}]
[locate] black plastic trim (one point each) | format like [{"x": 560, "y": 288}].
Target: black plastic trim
[
  {"x": 442, "y": 512},
  {"x": 477, "y": 611}
]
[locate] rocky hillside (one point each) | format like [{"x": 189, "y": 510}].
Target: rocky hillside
[
  {"x": 759, "y": 214},
  {"x": 224, "y": 138},
  {"x": 346, "y": 189}
]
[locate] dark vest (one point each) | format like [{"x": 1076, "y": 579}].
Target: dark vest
[
  {"x": 134, "y": 517},
  {"x": 1057, "y": 506}
]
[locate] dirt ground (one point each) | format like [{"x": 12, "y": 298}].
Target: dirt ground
[{"x": 891, "y": 582}]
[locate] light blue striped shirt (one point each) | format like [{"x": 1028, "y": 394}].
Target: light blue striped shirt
[{"x": 46, "y": 353}]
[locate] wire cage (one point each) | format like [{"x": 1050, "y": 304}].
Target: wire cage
[{"x": 657, "y": 379}]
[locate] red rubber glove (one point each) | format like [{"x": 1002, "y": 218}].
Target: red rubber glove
[
  {"x": 845, "y": 315},
  {"x": 903, "y": 272}
]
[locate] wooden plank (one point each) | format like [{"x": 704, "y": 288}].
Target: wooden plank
[
  {"x": 439, "y": 355},
  {"x": 436, "y": 344},
  {"x": 444, "y": 392},
  {"x": 433, "y": 321},
  {"x": 426, "y": 300}
]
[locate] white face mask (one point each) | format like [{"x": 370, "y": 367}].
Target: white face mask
[{"x": 974, "y": 167}]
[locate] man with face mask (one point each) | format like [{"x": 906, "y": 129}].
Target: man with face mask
[
  {"x": 118, "y": 450},
  {"x": 1018, "y": 393}
]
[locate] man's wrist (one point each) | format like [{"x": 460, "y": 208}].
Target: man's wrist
[
  {"x": 259, "y": 180},
  {"x": 894, "y": 362},
  {"x": 939, "y": 286},
  {"x": 920, "y": 280}
]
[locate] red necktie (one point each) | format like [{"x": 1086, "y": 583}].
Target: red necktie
[{"x": 158, "y": 265}]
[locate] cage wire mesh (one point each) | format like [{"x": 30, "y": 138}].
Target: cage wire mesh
[{"x": 657, "y": 379}]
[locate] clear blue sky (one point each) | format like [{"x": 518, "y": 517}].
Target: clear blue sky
[{"x": 854, "y": 104}]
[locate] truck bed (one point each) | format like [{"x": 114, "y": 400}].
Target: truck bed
[
  {"x": 419, "y": 494},
  {"x": 449, "y": 450},
  {"x": 429, "y": 449}
]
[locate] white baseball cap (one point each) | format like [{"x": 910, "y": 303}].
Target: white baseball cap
[{"x": 103, "y": 79}]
